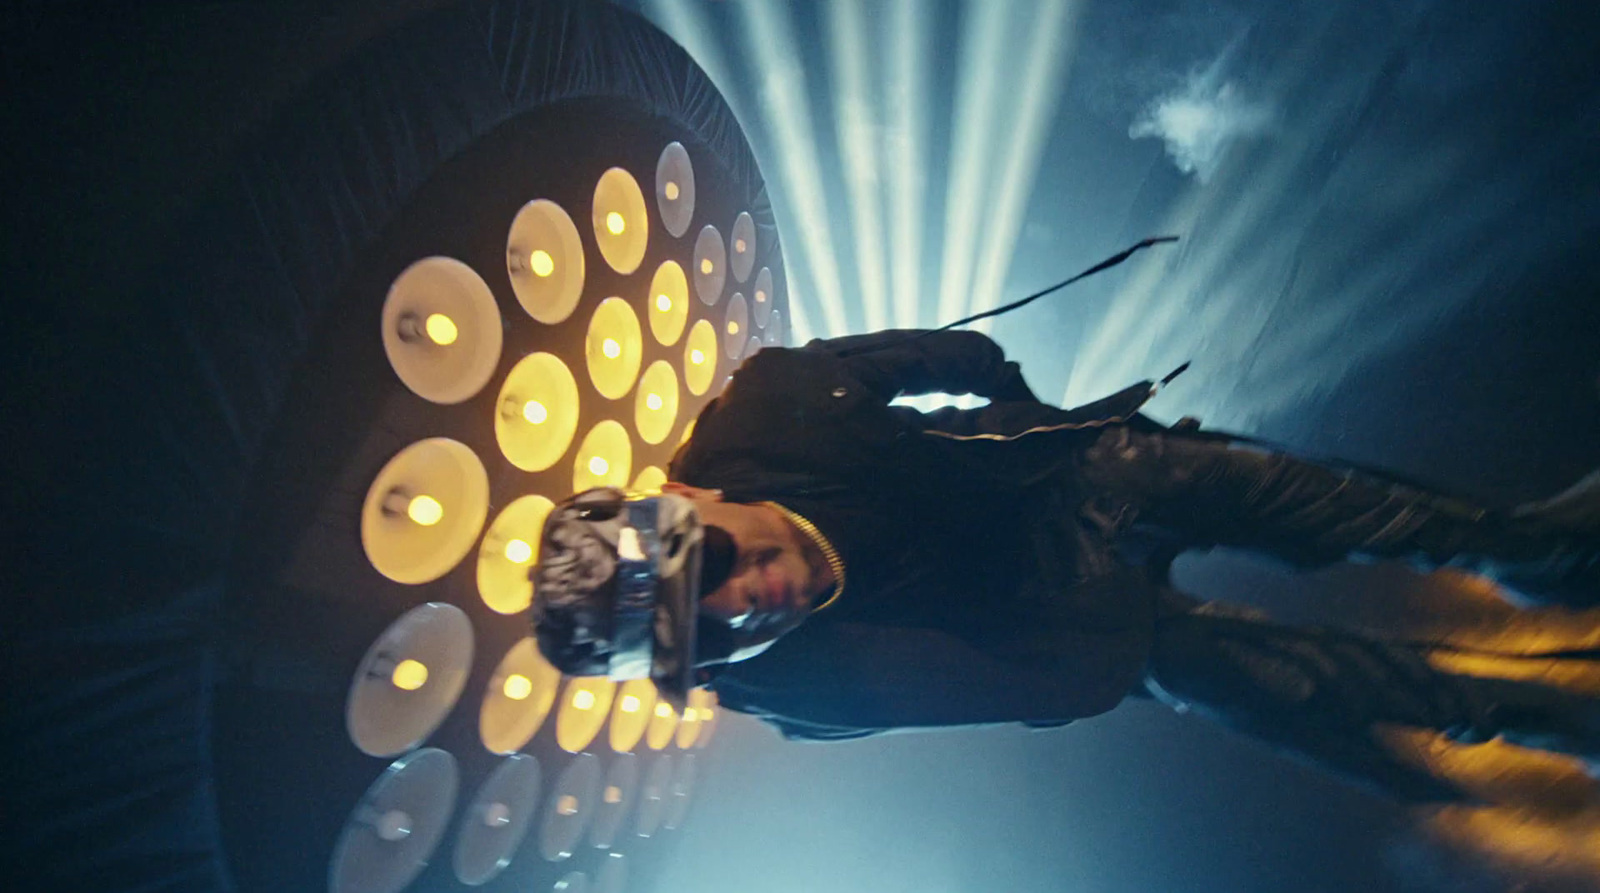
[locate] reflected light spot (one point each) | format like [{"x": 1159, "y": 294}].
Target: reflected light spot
[
  {"x": 441, "y": 329},
  {"x": 567, "y": 805},
  {"x": 663, "y": 710},
  {"x": 425, "y": 510},
  {"x": 697, "y": 356},
  {"x": 688, "y": 714},
  {"x": 583, "y": 699},
  {"x": 706, "y": 266},
  {"x": 409, "y": 675},
  {"x": 653, "y": 401},
  {"x": 611, "y": 348},
  {"x": 518, "y": 551},
  {"x": 733, "y": 327},
  {"x": 761, "y": 296},
  {"x": 663, "y": 303},
  {"x": 670, "y": 191},
  {"x": 541, "y": 263},
  {"x": 615, "y": 223},
  {"x": 496, "y": 815},
  {"x": 613, "y": 794},
  {"x": 738, "y": 246},
  {"x": 630, "y": 704},
  {"x": 598, "y": 466},
  {"x": 535, "y": 412},
  {"x": 517, "y": 687}
]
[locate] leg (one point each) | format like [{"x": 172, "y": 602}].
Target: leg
[
  {"x": 1218, "y": 492},
  {"x": 1321, "y": 694}
]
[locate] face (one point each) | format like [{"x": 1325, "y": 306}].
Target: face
[{"x": 774, "y": 578}]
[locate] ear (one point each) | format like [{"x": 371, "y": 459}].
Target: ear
[{"x": 688, "y": 492}]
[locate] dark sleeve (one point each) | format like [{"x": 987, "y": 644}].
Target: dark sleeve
[{"x": 915, "y": 362}]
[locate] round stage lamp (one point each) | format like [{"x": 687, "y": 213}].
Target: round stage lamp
[
  {"x": 409, "y": 679},
  {"x": 583, "y": 711},
  {"x": 710, "y": 265},
  {"x": 396, "y": 825},
  {"x": 630, "y": 713},
  {"x": 517, "y": 699},
  {"x": 669, "y": 303},
  {"x": 538, "y": 412},
  {"x": 761, "y": 298},
  {"x": 655, "y": 406},
  {"x": 424, "y": 509},
  {"x": 621, "y": 224},
  {"x": 497, "y": 820},
  {"x": 679, "y": 792},
  {"x": 605, "y": 458},
  {"x": 774, "y": 329},
  {"x": 441, "y": 330},
  {"x": 544, "y": 257},
  {"x": 704, "y": 702},
  {"x": 663, "y": 724},
  {"x": 614, "y": 348},
  {"x": 570, "y": 806},
  {"x": 700, "y": 357},
  {"x": 572, "y": 882},
  {"x": 688, "y": 432},
  {"x": 688, "y": 727},
  {"x": 752, "y": 347},
  {"x": 735, "y": 326},
  {"x": 617, "y": 795},
  {"x": 744, "y": 246},
  {"x": 649, "y": 480},
  {"x": 508, "y": 552},
  {"x": 653, "y": 796},
  {"x": 675, "y": 189},
  {"x": 612, "y": 876}
]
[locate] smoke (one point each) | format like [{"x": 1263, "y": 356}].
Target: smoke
[{"x": 1201, "y": 118}]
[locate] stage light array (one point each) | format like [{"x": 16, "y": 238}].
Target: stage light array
[{"x": 597, "y": 401}]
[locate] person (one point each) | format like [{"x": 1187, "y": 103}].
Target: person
[{"x": 884, "y": 568}]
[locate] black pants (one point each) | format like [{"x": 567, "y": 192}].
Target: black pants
[{"x": 1322, "y": 693}]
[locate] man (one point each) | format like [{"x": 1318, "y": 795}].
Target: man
[{"x": 870, "y": 567}]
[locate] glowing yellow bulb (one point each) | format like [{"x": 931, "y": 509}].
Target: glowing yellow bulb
[
  {"x": 611, "y": 348},
  {"x": 409, "y": 675},
  {"x": 688, "y": 714},
  {"x": 518, "y": 551},
  {"x": 761, "y": 296},
  {"x": 535, "y": 412},
  {"x": 738, "y": 245},
  {"x": 653, "y": 401},
  {"x": 567, "y": 805},
  {"x": 424, "y": 510},
  {"x": 733, "y": 327},
  {"x": 630, "y": 704},
  {"x": 706, "y": 266},
  {"x": 663, "y": 710},
  {"x": 517, "y": 687},
  {"x": 583, "y": 699},
  {"x": 613, "y": 794},
  {"x": 615, "y": 224},
  {"x": 598, "y": 466},
  {"x": 705, "y": 714},
  {"x": 670, "y": 191},
  {"x": 441, "y": 329},
  {"x": 541, "y": 263},
  {"x": 697, "y": 356},
  {"x": 663, "y": 303}
]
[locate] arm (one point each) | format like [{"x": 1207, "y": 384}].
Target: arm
[{"x": 913, "y": 362}]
